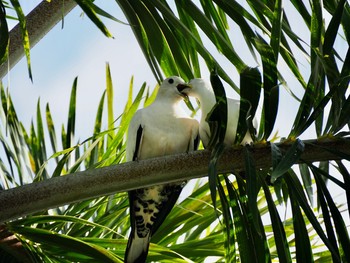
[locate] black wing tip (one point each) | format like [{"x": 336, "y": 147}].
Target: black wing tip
[{"x": 138, "y": 142}]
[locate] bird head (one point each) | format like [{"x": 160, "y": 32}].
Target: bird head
[
  {"x": 169, "y": 87},
  {"x": 195, "y": 88}
]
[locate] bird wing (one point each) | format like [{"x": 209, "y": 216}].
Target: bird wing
[
  {"x": 152, "y": 133},
  {"x": 137, "y": 248},
  {"x": 173, "y": 190},
  {"x": 135, "y": 137}
]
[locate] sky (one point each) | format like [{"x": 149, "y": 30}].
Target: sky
[{"x": 80, "y": 50}]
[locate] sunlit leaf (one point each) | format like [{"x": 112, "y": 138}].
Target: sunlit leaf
[
  {"x": 51, "y": 129},
  {"x": 24, "y": 33},
  {"x": 69, "y": 243},
  {"x": 91, "y": 10}
]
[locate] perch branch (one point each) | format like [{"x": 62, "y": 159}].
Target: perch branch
[{"x": 58, "y": 191}]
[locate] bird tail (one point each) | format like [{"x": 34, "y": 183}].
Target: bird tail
[{"x": 137, "y": 249}]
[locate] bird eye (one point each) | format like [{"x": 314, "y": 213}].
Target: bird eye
[{"x": 170, "y": 81}]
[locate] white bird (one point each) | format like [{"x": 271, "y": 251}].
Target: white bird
[
  {"x": 203, "y": 91},
  {"x": 162, "y": 128}
]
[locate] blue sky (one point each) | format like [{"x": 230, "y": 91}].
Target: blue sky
[
  {"x": 78, "y": 50},
  {"x": 81, "y": 50}
]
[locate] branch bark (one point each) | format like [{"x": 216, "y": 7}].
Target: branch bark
[
  {"x": 12, "y": 245},
  {"x": 39, "y": 22},
  {"x": 58, "y": 191}
]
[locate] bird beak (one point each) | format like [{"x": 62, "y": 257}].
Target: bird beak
[{"x": 182, "y": 88}]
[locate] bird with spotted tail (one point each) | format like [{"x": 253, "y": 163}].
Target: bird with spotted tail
[{"x": 162, "y": 128}]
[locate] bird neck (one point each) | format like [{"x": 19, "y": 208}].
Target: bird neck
[
  {"x": 168, "y": 104},
  {"x": 207, "y": 101},
  {"x": 160, "y": 98}
]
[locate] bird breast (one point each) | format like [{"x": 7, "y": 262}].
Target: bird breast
[{"x": 166, "y": 138}]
